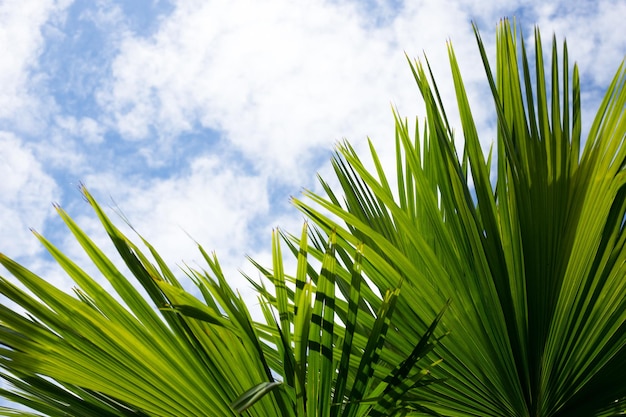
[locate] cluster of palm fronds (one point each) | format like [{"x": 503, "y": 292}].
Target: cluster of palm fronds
[
  {"x": 525, "y": 267},
  {"x": 95, "y": 354}
]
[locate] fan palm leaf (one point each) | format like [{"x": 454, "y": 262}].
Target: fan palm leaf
[
  {"x": 170, "y": 353},
  {"x": 532, "y": 256}
]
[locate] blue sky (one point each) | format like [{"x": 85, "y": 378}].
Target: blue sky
[{"x": 203, "y": 117}]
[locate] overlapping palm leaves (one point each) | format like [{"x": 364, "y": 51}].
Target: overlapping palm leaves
[
  {"x": 95, "y": 354},
  {"x": 534, "y": 260}
]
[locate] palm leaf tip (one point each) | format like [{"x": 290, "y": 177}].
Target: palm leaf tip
[{"x": 250, "y": 397}]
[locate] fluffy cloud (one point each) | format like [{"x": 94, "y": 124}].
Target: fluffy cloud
[
  {"x": 85, "y": 128},
  {"x": 212, "y": 202},
  {"x": 279, "y": 79},
  {"x": 21, "y": 40},
  {"x": 593, "y": 38},
  {"x": 26, "y": 191}
]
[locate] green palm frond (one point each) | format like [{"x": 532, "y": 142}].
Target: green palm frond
[
  {"x": 338, "y": 361},
  {"x": 533, "y": 260},
  {"x": 126, "y": 357},
  {"x": 121, "y": 354}
]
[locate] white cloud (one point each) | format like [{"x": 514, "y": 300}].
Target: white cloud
[
  {"x": 279, "y": 79},
  {"x": 84, "y": 128},
  {"x": 26, "y": 191},
  {"x": 214, "y": 202},
  {"x": 21, "y": 42},
  {"x": 593, "y": 36}
]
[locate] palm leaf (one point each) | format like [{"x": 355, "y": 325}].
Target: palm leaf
[
  {"x": 167, "y": 352},
  {"x": 339, "y": 370},
  {"x": 532, "y": 260},
  {"x": 122, "y": 358}
]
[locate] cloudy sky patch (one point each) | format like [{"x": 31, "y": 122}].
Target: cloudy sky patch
[{"x": 198, "y": 119}]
